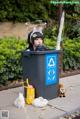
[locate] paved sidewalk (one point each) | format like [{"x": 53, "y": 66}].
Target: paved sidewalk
[{"x": 59, "y": 106}]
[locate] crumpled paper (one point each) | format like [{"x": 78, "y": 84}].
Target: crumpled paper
[{"x": 40, "y": 102}]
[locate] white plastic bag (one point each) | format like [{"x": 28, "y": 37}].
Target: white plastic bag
[
  {"x": 40, "y": 102},
  {"x": 20, "y": 101}
]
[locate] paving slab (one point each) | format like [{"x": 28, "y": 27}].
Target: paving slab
[
  {"x": 54, "y": 110},
  {"x": 7, "y": 97}
]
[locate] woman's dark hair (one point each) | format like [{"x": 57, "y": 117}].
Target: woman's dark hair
[
  {"x": 32, "y": 36},
  {"x": 30, "y": 44}
]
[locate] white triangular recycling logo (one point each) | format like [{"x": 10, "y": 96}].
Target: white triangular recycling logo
[{"x": 51, "y": 62}]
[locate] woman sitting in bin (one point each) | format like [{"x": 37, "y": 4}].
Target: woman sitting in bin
[{"x": 35, "y": 41}]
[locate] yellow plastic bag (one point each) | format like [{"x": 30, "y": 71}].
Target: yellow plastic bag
[{"x": 29, "y": 93}]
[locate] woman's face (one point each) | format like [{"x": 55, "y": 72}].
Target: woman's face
[{"x": 37, "y": 42}]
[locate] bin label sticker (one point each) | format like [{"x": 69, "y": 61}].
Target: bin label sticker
[
  {"x": 51, "y": 62},
  {"x": 51, "y": 69}
]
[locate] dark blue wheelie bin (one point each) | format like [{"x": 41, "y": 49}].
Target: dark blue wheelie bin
[{"x": 42, "y": 70}]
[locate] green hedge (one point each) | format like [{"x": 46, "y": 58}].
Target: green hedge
[
  {"x": 10, "y": 59},
  {"x": 10, "y": 56},
  {"x": 71, "y": 59},
  {"x": 24, "y": 10}
]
